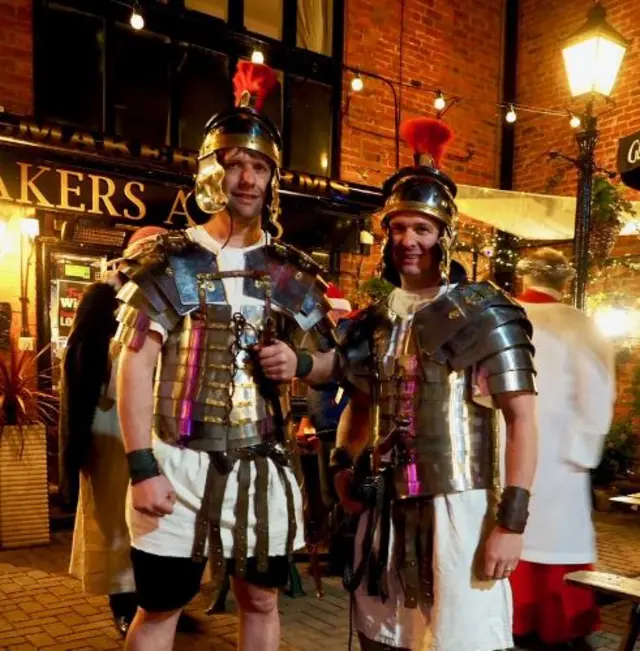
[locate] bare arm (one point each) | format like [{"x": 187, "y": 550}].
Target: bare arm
[
  {"x": 153, "y": 496},
  {"x": 504, "y": 547},
  {"x": 519, "y": 411},
  {"x": 135, "y": 392},
  {"x": 279, "y": 362}
]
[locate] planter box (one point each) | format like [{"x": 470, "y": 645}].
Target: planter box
[{"x": 24, "y": 500}]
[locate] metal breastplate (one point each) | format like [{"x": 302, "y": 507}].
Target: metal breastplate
[
  {"x": 452, "y": 442},
  {"x": 206, "y": 393}
]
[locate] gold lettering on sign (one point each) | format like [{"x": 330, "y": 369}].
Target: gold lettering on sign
[
  {"x": 136, "y": 201},
  {"x": 313, "y": 183},
  {"x": 80, "y": 139},
  {"x": 66, "y": 190},
  {"x": 112, "y": 146},
  {"x": 287, "y": 177},
  {"x": 179, "y": 201},
  {"x": 339, "y": 187},
  {"x": 181, "y": 158},
  {"x": 27, "y": 184},
  {"x": 4, "y": 194},
  {"x": 97, "y": 196},
  {"x": 150, "y": 152},
  {"x": 40, "y": 134}
]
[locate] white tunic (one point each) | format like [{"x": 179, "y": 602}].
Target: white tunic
[
  {"x": 100, "y": 554},
  {"x": 186, "y": 470},
  {"x": 576, "y": 384},
  {"x": 468, "y": 612}
]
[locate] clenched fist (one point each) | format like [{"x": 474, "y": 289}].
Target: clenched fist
[
  {"x": 278, "y": 361},
  {"x": 154, "y": 496}
]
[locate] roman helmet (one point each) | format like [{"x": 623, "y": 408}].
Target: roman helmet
[
  {"x": 422, "y": 189},
  {"x": 243, "y": 126}
]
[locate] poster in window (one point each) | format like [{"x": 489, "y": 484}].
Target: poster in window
[
  {"x": 5, "y": 325},
  {"x": 69, "y": 294}
]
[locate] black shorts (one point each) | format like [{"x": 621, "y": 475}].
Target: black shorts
[{"x": 166, "y": 583}]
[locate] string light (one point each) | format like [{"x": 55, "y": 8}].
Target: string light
[
  {"x": 137, "y": 19},
  {"x": 257, "y": 57},
  {"x": 575, "y": 121},
  {"x": 357, "y": 84},
  {"x": 439, "y": 102},
  {"x": 511, "y": 116}
]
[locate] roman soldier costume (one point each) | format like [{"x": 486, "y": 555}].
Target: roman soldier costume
[
  {"x": 209, "y": 395},
  {"x": 419, "y": 370}
]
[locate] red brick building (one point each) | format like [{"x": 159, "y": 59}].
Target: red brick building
[{"x": 418, "y": 47}]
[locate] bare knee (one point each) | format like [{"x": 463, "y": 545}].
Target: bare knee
[
  {"x": 151, "y": 617},
  {"x": 255, "y": 599}
]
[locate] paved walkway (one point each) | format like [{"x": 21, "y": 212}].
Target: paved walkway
[{"x": 41, "y": 607}]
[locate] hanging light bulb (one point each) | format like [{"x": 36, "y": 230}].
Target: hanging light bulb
[
  {"x": 575, "y": 121},
  {"x": 137, "y": 19},
  {"x": 511, "y": 116},
  {"x": 257, "y": 57},
  {"x": 439, "y": 102},
  {"x": 357, "y": 84}
]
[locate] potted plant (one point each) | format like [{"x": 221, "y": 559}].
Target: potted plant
[
  {"x": 608, "y": 209},
  {"x": 372, "y": 290},
  {"x": 24, "y": 411}
]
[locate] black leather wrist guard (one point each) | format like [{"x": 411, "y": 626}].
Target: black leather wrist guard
[
  {"x": 304, "y": 364},
  {"x": 513, "y": 509},
  {"x": 340, "y": 459},
  {"x": 142, "y": 465}
]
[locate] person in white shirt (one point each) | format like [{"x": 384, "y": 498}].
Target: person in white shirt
[
  {"x": 576, "y": 384},
  {"x": 207, "y": 445}
]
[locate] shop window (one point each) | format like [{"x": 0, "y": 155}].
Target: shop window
[
  {"x": 216, "y": 8},
  {"x": 310, "y": 126},
  {"x": 141, "y": 63},
  {"x": 264, "y": 17},
  {"x": 70, "y": 74},
  {"x": 204, "y": 90},
  {"x": 314, "y": 28}
]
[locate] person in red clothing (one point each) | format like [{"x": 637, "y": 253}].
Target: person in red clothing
[{"x": 575, "y": 406}]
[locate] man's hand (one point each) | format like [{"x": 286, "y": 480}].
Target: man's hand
[
  {"x": 502, "y": 553},
  {"x": 278, "y": 361},
  {"x": 154, "y": 496},
  {"x": 342, "y": 481}
]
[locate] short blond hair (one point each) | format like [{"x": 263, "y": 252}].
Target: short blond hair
[{"x": 548, "y": 268}]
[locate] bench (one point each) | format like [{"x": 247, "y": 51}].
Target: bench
[{"x": 617, "y": 586}]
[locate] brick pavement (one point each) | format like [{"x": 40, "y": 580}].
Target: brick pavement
[{"x": 41, "y": 607}]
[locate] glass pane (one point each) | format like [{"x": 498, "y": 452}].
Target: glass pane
[
  {"x": 310, "y": 127},
  {"x": 141, "y": 86},
  {"x": 204, "y": 90},
  {"x": 315, "y": 25},
  {"x": 70, "y": 78},
  {"x": 264, "y": 17},
  {"x": 217, "y": 8}
]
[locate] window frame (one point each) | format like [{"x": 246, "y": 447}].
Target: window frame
[{"x": 183, "y": 26}]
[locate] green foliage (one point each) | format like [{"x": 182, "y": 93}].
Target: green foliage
[{"x": 608, "y": 201}]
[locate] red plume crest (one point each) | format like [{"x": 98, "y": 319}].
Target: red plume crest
[
  {"x": 427, "y": 136},
  {"x": 252, "y": 83}
]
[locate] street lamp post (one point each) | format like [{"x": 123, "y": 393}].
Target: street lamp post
[{"x": 592, "y": 58}]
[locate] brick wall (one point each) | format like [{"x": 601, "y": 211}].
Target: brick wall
[
  {"x": 16, "y": 61},
  {"x": 452, "y": 45},
  {"x": 542, "y": 82}
]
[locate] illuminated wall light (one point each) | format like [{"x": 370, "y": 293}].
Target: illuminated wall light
[
  {"x": 137, "y": 19},
  {"x": 575, "y": 122},
  {"x": 357, "y": 84},
  {"x": 257, "y": 57},
  {"x": 511, "y": 116},
  {"x": 30, "y": 228},
  {"x": 439, "y": 102},
  {"x": 613, "y": 322},
  {"x": 324, "y": 161}
]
